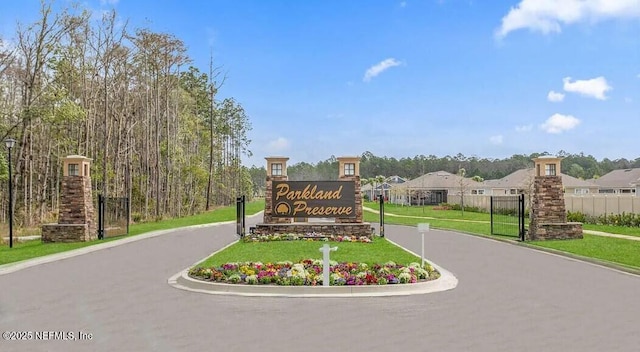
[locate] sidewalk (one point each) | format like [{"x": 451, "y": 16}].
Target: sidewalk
[
  {"x": 22, "y": 238},
  {"x": 589, "y": 232},
  {"x": 615, "y": 235}
]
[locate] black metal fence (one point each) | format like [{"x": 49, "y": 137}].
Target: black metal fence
[
  {"x": 507, "y": 216},
  {"x": 113, "y": 216},
  {"x": 240, "y": 216},
  {"x": 381, "y": 201},
  {"x": 429, "y": 197}
]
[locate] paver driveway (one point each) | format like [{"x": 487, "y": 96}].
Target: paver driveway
[{"x": 508, "y": 298}]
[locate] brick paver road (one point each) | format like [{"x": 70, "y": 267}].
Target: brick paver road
[{"x": 508, "y": 298}]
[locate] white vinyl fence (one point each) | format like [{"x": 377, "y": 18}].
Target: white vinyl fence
[
  {"x": 590, "y": 204},
  {"x": 599, "y": 204}
]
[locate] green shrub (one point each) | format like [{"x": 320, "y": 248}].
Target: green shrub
[
  {"x": 624, "y": 219},
  {"x": 576, "y": 217},
  {"x": 136, "y": 217},
  {"x": 466, "y": 208}
]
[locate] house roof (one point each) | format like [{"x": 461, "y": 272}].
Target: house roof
[
  {"x": 521, "y": 178},
  {"x": 623, "y": 178},
  {"x": 435, "y": 180},
  {"x": 377, "y": 187},
  {"x": 570, "y": 181},
  {"x": 396, "y": 179}
]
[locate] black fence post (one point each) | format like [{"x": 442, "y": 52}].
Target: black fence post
[
  {"x": 244, "y": 218},
  {"x": 240, "y": 214},
  {"x": 381, "y": 197},
  {"x": 521, "y": 216},
  {"x": 128, "y": 200},
  {"x": 100, "y": 216},
  {"x": 491, "y": 212}
]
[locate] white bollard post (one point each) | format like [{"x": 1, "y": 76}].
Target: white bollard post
[
  {"x": 422, "y": 228},
  {"x": 422, "y": 263},
  {"x": 325, "y": 263}
]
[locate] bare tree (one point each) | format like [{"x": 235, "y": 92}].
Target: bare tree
[
  {"x": 463, "y": 187},
  {"x": 70, "y": 85}
]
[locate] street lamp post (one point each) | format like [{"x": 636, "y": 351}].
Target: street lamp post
[{"x": 10, "y": 142}]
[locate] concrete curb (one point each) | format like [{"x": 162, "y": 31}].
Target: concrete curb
[
  {"x": 13, "y": 267},
  {"x": 446, "y": 281},
  {"x": 554, "y": 252}
]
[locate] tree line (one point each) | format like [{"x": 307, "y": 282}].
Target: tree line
[
  {"x": 577, "y": 165},
  {"x": 127, "y": 98},
  {"x": 371, "y": 166}
]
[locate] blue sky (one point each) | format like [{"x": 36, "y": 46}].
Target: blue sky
[{"x": 403, "y": 78}]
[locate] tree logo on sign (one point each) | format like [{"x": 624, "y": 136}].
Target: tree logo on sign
[{"x": 283, "y": 209}]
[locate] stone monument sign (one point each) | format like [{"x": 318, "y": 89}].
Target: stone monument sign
[{"x": 319, "y": 207}]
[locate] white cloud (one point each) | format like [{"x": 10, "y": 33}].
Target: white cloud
[
  {"x": 638, "y": 75},
  {"x": 559, "y": 123},
  {"x": 380, "y": 67},
  {"x": 403, "y": 4},
  {"x": 109, "y": 2},
  {"x": 555, "y": 97},
  {"x": 496, "y": 139},
  {"x": 549, "y": 16},
  {"x": 525, "y": 128},
  {"x": 595, "y": 87},
  {"x": 278, "y": 145}
]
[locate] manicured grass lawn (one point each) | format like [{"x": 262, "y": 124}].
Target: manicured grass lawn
[
  {"x": 379, "y": 251},
  {"x": 33, "y": 249},
  {"x": 428, "y": 211},
  {"x": 217, "y": 215},
  {"x": 483, "y": 228},
  {"x": 613, "y": 250}
]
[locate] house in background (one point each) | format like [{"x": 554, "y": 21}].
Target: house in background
[
  {"x": 373, "y": 190},
  {"x": 437, "y": 187},
  {"x": 394, "y": 180},
  {"x": 623, "y": 181},
  {"x": 429, "y": 189},
  {"x": 521, "y": 181},
  {"x": 484, "y": 187}
]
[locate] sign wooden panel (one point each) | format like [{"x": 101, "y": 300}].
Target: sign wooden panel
[{"x": 314, "y": 199}]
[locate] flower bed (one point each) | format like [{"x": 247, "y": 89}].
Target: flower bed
[
  {"x": 309, "y": 273},
  {"x": 312, "y": 236}
]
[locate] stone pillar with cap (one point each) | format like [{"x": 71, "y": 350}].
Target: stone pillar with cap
[
  {"x": 548, "y": 211},
  {"x": 276, "y": 171},
  {"x": 76, "y": 218},
  {"x": 349, "y": 170}
]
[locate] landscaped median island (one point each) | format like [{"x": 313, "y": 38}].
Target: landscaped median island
[{"x": 295, "y": 260}]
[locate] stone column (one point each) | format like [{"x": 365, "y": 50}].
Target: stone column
[
  {"x": 276, "y": 171},
  {"x": 548, "y": 212},
  {"x": 76, "y": 218},
  {"x": 349, "y": 170}
]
